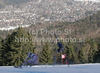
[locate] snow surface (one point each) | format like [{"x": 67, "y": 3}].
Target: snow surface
[
  {"x": 78, "y": 68},
  {"x": 12, "y": 27}
]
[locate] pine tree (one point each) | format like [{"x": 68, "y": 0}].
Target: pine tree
[
  {"x": 46, "y": 55},
  {"x": 16, "y": 46},
  {"x": 92, "y": 52},
  {"x": 70, "y": 54},
  {"x": 81, "y": 56},
  {"x": 86, "y": 48},
  {"x": 1, "y": 41},
  {"x": 97, "y": 55}
]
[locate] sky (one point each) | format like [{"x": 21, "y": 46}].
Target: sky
[{"x": 89, "y": 0}]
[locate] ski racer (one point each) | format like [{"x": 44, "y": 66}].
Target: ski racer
[{"x": 32, "y": 61}]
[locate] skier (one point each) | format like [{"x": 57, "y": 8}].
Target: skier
[
  {"x": 60, "y": 48},
  {"x": 32, "y": 61}
]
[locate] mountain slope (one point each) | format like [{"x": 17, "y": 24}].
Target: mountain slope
[{"x": 87, "y": 27}]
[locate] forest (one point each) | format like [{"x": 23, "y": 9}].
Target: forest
[{"x": 13, "y": 49}]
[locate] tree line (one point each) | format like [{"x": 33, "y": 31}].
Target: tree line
[{"x": 13, "y": 50}]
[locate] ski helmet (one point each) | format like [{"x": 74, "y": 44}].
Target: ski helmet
[{"x": 28, "y": 53}]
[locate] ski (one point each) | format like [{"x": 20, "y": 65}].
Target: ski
[{"x": 17, "y": 66}]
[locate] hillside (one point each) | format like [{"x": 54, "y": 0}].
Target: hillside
[
  {"x": 2, "y": 5},
  {"x": 87, "y": 27}
]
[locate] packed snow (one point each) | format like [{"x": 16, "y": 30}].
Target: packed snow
[
  {"x": 12, "y": 27},
  {"x": 78, "y": 68}
]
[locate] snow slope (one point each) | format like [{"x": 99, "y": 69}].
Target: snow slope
[
  {"x": 12, "y": 27},
  {"x": 78, "y": 68}
]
